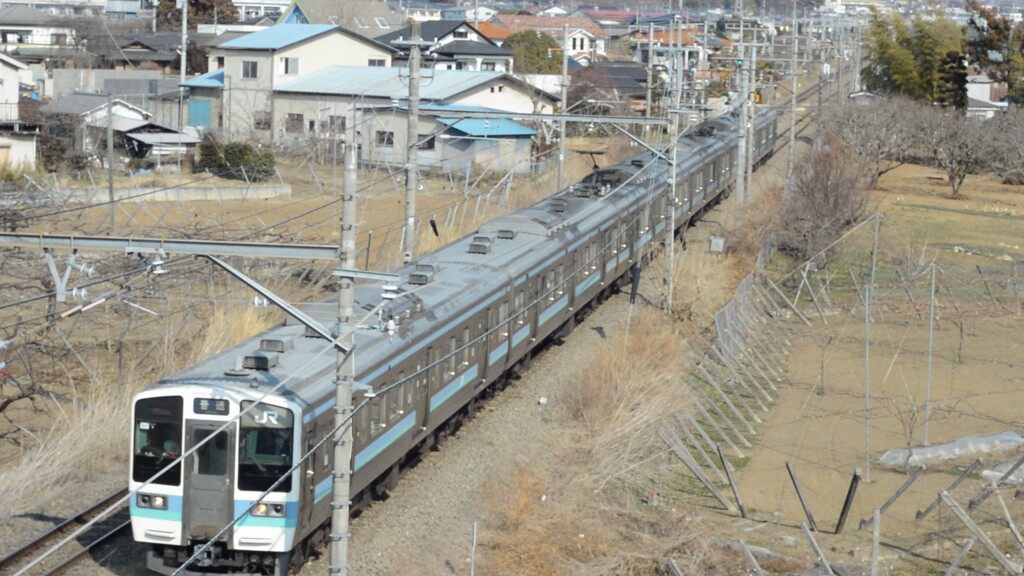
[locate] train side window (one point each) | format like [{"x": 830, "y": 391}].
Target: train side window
[
  {"x": 560, "y": 277},
  {"x": 393, "y": 400},
  {"x": 465, "y": 346}
]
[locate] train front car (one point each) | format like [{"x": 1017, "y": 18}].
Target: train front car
[{"x": 229, "y": 462}]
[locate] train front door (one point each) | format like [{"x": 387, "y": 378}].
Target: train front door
[{"x": 209, "y": 496}]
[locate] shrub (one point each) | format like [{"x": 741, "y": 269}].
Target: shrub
[{"x": 235, "y": 160}]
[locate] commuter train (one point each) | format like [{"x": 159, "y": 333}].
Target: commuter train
[{"x": 462, "y": 321}]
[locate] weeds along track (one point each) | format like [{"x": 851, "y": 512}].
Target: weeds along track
[{"x": 61, "y": 561}]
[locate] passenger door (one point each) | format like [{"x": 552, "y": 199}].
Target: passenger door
[{"x": 209, "y": 495}]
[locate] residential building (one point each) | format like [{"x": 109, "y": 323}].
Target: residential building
[
  {"x": 37, "y": 39},
  {"x": 585, "y": 42},
  {"x": 470, "y": 14},
  {"x": 60, "y": 7},
  {"x": 245, "y": 72},
  {"x": 456, "y": 45},
  {"x": 249, "y": 10},
  {"x": 322, "y": 105},
  {"x": 371, "y": 18},
  {"x": 421, "y": 10},
  {"x": 448, "y": 141},
  {"x": 158, "y": 51},
  {"x": 19, "y": 122}
]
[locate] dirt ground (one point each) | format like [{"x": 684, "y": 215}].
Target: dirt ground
[{"x": 818, "y": 422}]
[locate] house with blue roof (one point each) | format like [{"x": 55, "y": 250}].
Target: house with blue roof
[
  {"x": 235, "y": 97},
  {"x": 448, "y": 142}
]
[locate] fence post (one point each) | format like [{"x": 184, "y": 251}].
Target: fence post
[{"x": 800, "y": 495}]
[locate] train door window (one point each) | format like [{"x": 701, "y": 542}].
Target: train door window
[
  {"x": 452, "y": 347},
  {"x": 519, "y": 307},
  {"x": 434, "y": 371},
  {"x": 393, "y": 401},
  {"x": 309, "y": 454},
  {"x": 502, "y": 318},
  {"x": 375, "y": 414},
  {"x": 211, "y": 459}
]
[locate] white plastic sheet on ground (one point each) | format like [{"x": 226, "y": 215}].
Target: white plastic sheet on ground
[{"x": 966, "y": 446}]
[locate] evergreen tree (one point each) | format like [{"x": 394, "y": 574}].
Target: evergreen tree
[
  {"x": 535, "y": 53},
  {"x": 953, "y": 81}
]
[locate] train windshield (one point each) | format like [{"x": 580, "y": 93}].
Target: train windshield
[
  {"x": 157, "y": 439},
  {"x": 265, "y": 444}
]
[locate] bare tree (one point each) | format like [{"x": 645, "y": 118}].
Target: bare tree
[
  {"x": 958, "y": 145},
  {"x": 875, "y": 134},
  {"x": 823, "y": 199}
]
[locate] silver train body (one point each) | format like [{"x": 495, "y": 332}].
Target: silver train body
[{"x": 464, "y": 319}]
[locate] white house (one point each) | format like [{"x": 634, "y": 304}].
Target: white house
[
  {"x": 455, "y": 45},
  {"x": 250, "y": 68},
  {"x": 17, "y": 134},
  {"x": 323, "y": 105}
]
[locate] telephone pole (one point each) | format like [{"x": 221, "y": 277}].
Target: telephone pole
[
  {"x": 184, "y": 67},
  {"x": 412, "y": 144},
  {"x": 565, "y": 98},
  {"x": 792, "y": 96}
]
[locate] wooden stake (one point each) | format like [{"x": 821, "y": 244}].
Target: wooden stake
[
  {"x": 718, "y": 430},
  {"x": 792, "y": 306},
  {"x": 1009, "y": 520},
  {"x": 750, "y": 558},
  {"x": 1010, "y": 566},
  {"x": 800, "y": 495},
  {"x": 892, "y": 499},
  {"x": 700, "y": 449},
  {"x": 850, "y": 493},
  {"x": 732, "y": 481},
  {"x": 816, "y": 548},
  {"x": 984, "y": 282},
  {"x": 875, "y": 531},
  {"x": 1002, "y": 480},
  {"x": 732, "y": 407},
  {"x": 673, "y": 441},
  {"x": 960, "y": 557},
  {"x": 963, "y": 476}
]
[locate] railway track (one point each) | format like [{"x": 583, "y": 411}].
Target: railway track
[{"x": 61, "y": 561}]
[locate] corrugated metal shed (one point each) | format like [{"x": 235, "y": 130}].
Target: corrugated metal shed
[
  {"x": 214, "y": 79},
  {"x": 486, "y": 127}
]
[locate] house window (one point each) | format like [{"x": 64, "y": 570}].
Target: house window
[
  {"x": 249, "y": 70},
  {"x": 58, "y": 39},
  {"x": 488, "y": 66},
  {"x": 460, "y": 34},
  {"x": 271, "y": 11},
  {"x": 251, "y": 13},
  {"x": 312, "y": 126},
  {"x": 426, "y": 141},
  {"x": 376, "y": 62},
  {"x": 382, "y": 23},
  {"x": 291, "y": 66},
  {"x": 293, "y": 123},
  {"x": 333, "y": 124},
  {"x": 361, "y": 23},
  {"x": 261, "y": 120},
  {"x": 385, "y": 139}
]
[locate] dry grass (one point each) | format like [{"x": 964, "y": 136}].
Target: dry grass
[{"x": 89, "y": 438}]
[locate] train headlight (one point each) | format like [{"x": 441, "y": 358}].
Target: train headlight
[
  {"x": 151, "y": 501},
  {"x": 268, "y": 509}
]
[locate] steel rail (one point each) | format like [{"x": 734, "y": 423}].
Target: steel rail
[{"x": 41, "y": 540}]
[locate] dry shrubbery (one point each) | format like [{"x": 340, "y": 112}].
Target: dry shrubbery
[{"x": 594, "y": 513}]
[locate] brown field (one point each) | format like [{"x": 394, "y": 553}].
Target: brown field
[{"x": 977, "y": 383}]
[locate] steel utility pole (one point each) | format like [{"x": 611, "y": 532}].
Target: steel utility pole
[
  {"x": 748, "y": 103},
  {"x": 741, "y": 151},
  {"x": 565, "y": 98},
  {"x": 110, "y": 161},
  {"x": 792, "y": 96},
  {"x": 412, "y": 144},
  {"x": 344, "y": 372},
  {"x": 184, "y": 66}
]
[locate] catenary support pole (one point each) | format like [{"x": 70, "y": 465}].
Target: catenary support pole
[
  {"x": 563, "y": 105},
  {"x": 412, "y": 145},
  {"x": 344, "y": 375},
  {"x": 931, "y": 339},
  {"x": 110, "y": 162}
]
